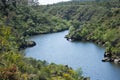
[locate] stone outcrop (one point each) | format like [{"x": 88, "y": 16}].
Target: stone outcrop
[
  {"x": 117, "y": 60},
  {"x": 27, "y": 44},
  {"x": 108, "y": 58},
  {"x": 30, "y": 44},
  {"x": 87, "y": 78}
]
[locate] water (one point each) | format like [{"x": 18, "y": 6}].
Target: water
[{"x": 55, "y": 48}]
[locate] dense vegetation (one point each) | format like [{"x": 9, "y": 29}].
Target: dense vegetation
[
  {"x": 102, "y": 27},
  {"x": 97, "y": 21},
  {"x": 17, "y": 22}
]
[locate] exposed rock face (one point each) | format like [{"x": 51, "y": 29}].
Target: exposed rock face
[
  {"x": 87, "y": 78},
  {"x": 30, "y": 44},
  {"x": 107, "y": 55},
  {"x": 108, "y": 58},
  {"x": 27, "y": 44},
  {"x": 69, "y": 39},
  {"x": 117, "y": 61}
]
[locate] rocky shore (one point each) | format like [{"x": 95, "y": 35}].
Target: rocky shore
[
  {"x": 108, "y": 57},
  {"x": 27, "y": 44}
]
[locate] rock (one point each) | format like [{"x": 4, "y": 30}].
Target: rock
[
  {"x": 30, "y": 44},
  {"x": 66, "y": 66},
  {"x": 111, "y": 60},
  {"x": 107, "y": 54},
  {"x": 87, "y": 78},
  {"x": 106, "y": 59},
  {"x": 103, "y": 45},
  {"x": 117, "y": 61},
  {"x": 69, "y": 39},
  {"x": 27, "y": 44}
]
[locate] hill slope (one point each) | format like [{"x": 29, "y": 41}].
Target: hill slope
[
  {"x": 17, "y": 22},
  {"x": 92, "y": 21}
]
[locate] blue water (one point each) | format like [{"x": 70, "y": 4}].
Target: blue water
[{"x": 86, "y": 55}]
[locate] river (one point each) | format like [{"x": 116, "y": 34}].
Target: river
[{"x": 86, "y": 55}]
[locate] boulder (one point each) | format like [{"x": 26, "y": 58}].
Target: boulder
[
  {"x": 30, "y": 44},
  {"x": 107, "y": 54},
  {"x": 106, "y": 59},
  {"x": 117, "y": 61},
  {"x": 87, "y": 78},
  {"x": 27, "y": 44}
]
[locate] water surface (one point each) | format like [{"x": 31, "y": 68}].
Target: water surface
[{"x": 55, "y": 48}]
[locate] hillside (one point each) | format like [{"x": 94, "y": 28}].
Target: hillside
[
  {"x": 18, "y": 21},
  {"x": 98, "y": 22},
  {"x": 103, "y": 30},
  {"x": 94, "y": 21}
]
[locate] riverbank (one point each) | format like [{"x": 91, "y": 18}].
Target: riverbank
[
  {"x": 27, "y": 44},
  {"x": 54, "y": 48},
  {"x": 97, "y": 21},
  {"x": 101, "y": 28},
  {"x": 17, "y": 22},
  {"x": 108, "y": 57}
]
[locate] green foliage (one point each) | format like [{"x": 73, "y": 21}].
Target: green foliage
[
  {"x": 102, "y": 28},
  {"x": 15, "y": 67},
  {"x": 92, "y": 21},
  {"x": 17, "y": 21},
  {"x": 34, "y": 22}
]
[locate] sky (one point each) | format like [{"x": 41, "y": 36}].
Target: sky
[{"x": 44, "y": 2}]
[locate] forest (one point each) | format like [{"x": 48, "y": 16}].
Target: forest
[
  {"x": 18, "y": 21},
  {"x": 95, "y": 20}
]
